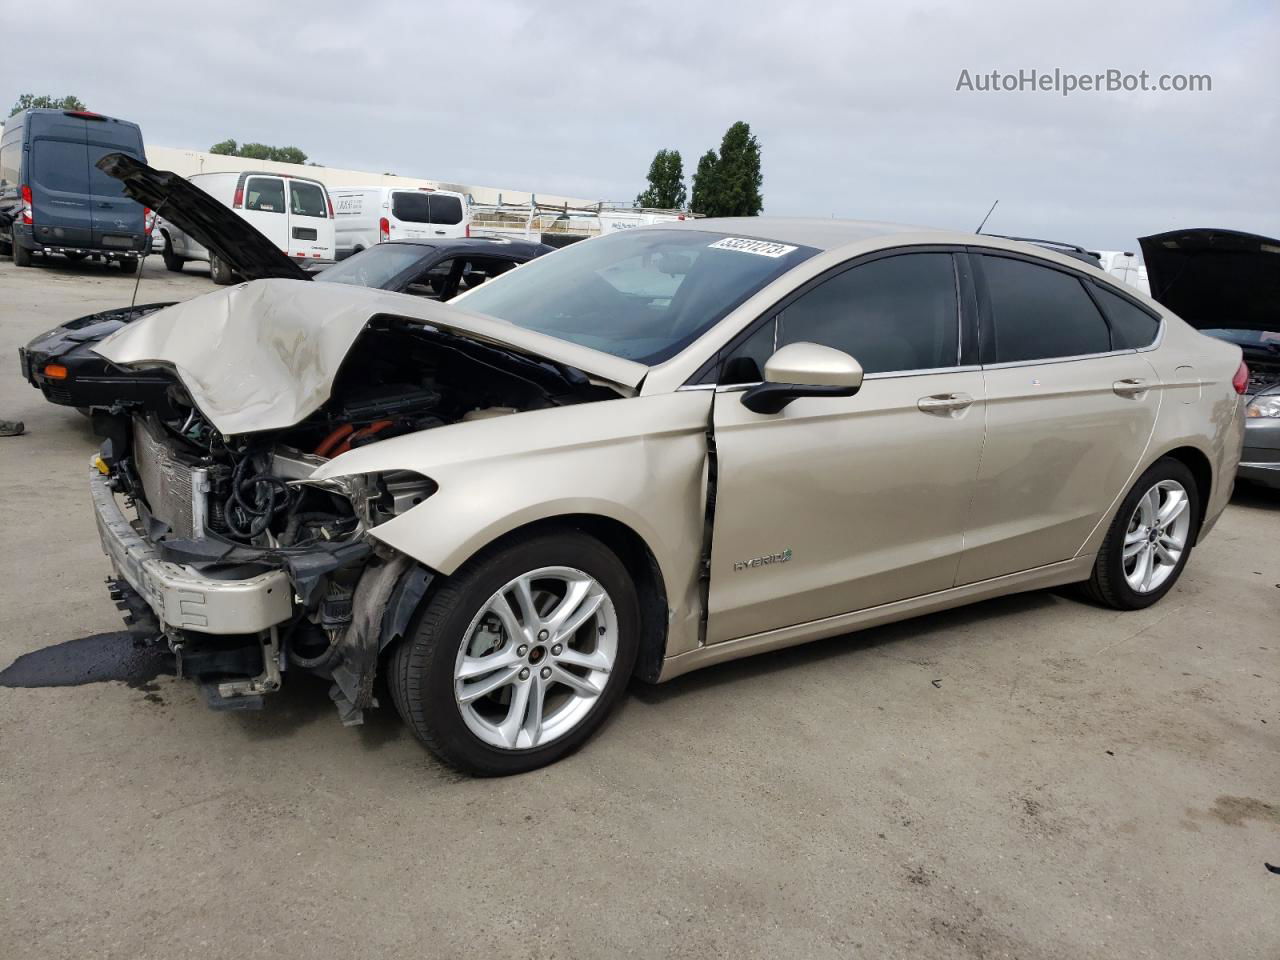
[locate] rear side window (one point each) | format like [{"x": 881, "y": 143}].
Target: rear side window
[
  {"x": 265, "y": 194},
  {"x": 61, "y": 165},
  {"x": 896, "y": 313},
  {"x": 410, "y": 207},
  {"x": 1131, "y": 326},
  {"x": 307, "y": 199},
  {"x": 1038, "y": 313},
  {"x": 446, "y": 210}
]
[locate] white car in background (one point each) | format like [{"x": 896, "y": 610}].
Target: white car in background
[
  {"x": 295, "y": 213},
  {"x": 367, "y": 216}
]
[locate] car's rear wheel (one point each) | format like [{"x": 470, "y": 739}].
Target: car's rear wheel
[
  {"x": 172, "y": 262},
  {"x": 21, "y": 255},
  {"x": 520, "y": 656},
  {"x": 1150, "y": 539},
  {"x": 219, "y": 271}
]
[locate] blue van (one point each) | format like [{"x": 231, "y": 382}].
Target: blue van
[{"x": 54, "y": 199}]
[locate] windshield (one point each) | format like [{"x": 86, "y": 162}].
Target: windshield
[
  {"x": 376, "y": 266},
  {"x": 642, "y": 295}
]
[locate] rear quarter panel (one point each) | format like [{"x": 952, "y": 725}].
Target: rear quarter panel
[{"x": 1199, "y": 409}]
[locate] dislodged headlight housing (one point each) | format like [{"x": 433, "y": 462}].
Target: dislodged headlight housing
[{"x": 1268, "y": 406}]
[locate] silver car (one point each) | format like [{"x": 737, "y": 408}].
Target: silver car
[{"x": 643, "y": 455}]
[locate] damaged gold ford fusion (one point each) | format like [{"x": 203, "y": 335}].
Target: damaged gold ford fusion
[
  {"x": 641, "y": 455},
  {"x": 245, "y": 562}
]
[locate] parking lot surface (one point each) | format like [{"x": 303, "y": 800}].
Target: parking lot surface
[{"x": 1028, "y": 777}]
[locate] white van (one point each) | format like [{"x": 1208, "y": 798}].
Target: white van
[
  {"x": 372, "y": 215},
  {"x": 295, "y": 213}
]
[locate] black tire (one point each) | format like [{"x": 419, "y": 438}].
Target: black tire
[
  {"x": 422, "y": 667},
  {"x": 129, "y": 264},
  {"x": 219, "y": 271},
  {"x": 1107, "y": 585},
  {"x": 21, "y": 255},
  {"x": 172, "y": 262}
]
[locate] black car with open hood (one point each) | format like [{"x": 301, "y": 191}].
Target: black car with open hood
[
  {"x": 64, "y": 365},
  {"x": 1226, "y": 283}
]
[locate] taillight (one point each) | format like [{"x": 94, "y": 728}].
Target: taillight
[
  {"x": 329, "y": 200},
  {"x": 238, "y": 200},
  {"x": 384, "y": 230},
  {"x": 148, "y": 221},
  {"x": 26, "y": 206},
  {"x": 467, "y": 233},
  {"x": 1240, "y": 382}
]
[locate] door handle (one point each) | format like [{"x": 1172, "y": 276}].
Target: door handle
[
  {"x": 1130, "y": 387},
  {"x": 945, "y": 402}
]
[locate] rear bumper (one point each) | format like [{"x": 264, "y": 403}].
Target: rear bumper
[
  {"x": 26, "y": 238},
  {"x": 182, "y": 598}
]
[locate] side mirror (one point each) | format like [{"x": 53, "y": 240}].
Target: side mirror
[{"x": 803, "y": 370}]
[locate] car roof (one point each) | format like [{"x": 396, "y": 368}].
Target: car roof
[
  {"x": 477, "y": 244},
  {"x": 823, "y": 234}
]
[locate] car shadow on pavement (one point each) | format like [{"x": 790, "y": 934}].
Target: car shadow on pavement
[
  {"x": 304, "y": 699},
  {"x": 845, "y": 645},
  {"x": 1255, "y": 496}
]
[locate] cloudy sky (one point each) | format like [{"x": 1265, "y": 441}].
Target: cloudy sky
[{"x": 855, "y": 105}]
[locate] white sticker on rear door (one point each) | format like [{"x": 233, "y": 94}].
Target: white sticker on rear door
[{"x": 761, "y": 248}]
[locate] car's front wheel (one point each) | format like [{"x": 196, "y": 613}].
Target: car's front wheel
[
  {"x": 1150, "y": 539},
  {"x": 520, "y": 656}
]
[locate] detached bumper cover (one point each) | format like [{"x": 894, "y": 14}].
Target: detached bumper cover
[{"x": 181, "y": 597}]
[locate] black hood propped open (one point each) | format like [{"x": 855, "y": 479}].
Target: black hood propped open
[
  {"x": 200, "y": 216},
  {"x": 1216, "y": 279}
]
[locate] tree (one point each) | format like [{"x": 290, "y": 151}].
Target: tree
[
  {"x": 29, "y": 100},
  {"x": 705, "y": 192},
  {"x": 259, "y": 151},
  {"x": 737, "y": 177},
  {"x": 666, "y": 182}
]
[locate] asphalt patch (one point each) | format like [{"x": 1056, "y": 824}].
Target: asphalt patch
[{"x": 121, "y": 655}]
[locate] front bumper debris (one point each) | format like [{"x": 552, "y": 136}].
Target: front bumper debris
[{"x": 182, "y": 598}]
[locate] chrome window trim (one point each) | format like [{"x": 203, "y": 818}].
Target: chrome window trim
[{"x": 882, "y": 375}]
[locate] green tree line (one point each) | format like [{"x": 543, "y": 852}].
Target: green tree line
[{"x": 725, "y": 184}]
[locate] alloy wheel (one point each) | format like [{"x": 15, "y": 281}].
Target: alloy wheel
[
  {"x": 1156, "y": 536},
  {"x": 536, "y": 658}
]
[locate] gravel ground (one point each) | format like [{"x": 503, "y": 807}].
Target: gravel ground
[{"x": 1028, "y": 777}]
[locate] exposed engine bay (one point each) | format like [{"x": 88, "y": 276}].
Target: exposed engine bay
[{"x": 235, "y": 508}]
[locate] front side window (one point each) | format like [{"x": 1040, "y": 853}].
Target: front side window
[
  {"x": 265, "y": 194},
  {"x": 895, "y": 314},
  {"x": 307, "y": 199},
  {"x": 898, "y": 313},
  {"x": 1038, "y": 313},
  {"x": 1131, "y": 327},
  {"x": 642, "y": 294}
]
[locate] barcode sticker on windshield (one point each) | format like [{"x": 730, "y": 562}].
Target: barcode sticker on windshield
[{"x": 761, "y": 248}]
